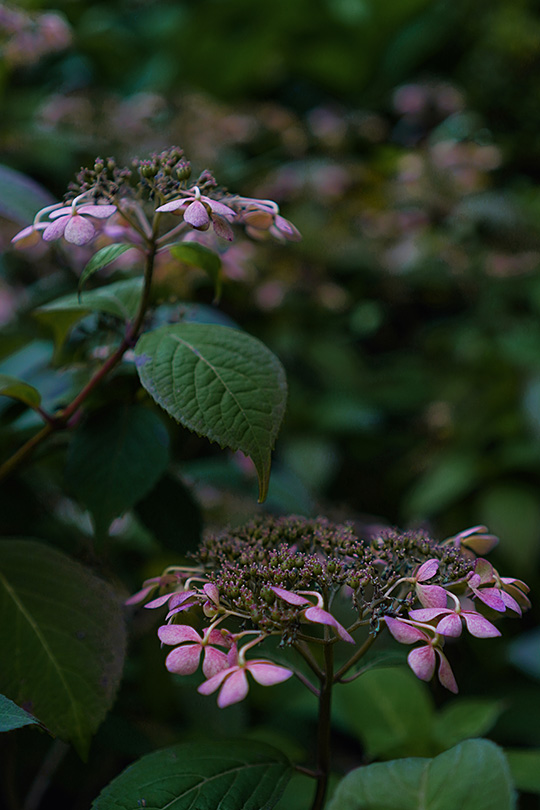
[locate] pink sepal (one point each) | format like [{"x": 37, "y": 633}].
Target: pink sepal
[
  {"x": 289, "y": 596},
  {"x": 404, "y": 633},
  {"x": 221, "y": 209},
  {"x": 478, "y": 626},
  {"x": 214, "y": 661},
  {"x": 431, "y": 596},
  {"x": 78, "y": 230},
  {"x": 196, "y": 215},
  {"x": 211, "y": 592},
  {"x": 450, "y": 625},
  {"x": 446, "y": 676},
  {"x": 427, "y": 570},
  {"x": 268, "y": 674},
  {"x": 184, "y": 660},
  {"x": 173, "y": 205},
  {"x": 222, "y": 228},
  {"x": 178, "y": 633},
  {"x": 159, "y": 601},
  {"x": 234, "y": 689},
  {"x": 55, "y": 229},
  {"x": 422, "y": 662},
  {"x": 320, "y": 616}
]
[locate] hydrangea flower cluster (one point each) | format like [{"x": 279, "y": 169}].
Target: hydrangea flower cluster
[
  {"x": 106, "y": 190},
  {"x": 313, "y": 583}
]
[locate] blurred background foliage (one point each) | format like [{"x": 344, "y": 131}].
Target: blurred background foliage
[{"x": 401, "y": 137}]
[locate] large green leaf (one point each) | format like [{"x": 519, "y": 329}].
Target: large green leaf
[
  {"x": 115, "y": 458},
  {"x": 472, "y": 776},
  {"x": 525, "y": 768},
  {"x": 17, "y": 389},
  {"x": 20, "y": 196},
  {"x": 228, "y": 775},
  {"x": 120, "y": 299},
  {"x": 219, "y": 382},
  {"x": 63, "y": 636},
  {"x": 389, "y": 710},
  {"x": 12, "y": 716}
]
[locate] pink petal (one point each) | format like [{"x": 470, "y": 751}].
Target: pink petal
[
  {"x": 289, "y": 596},
  {"x": 234, "y": 689},
  {"x": 404, "y": 633},
  {"x": 478, "y": 626},
  {"x": 212, "y": 592},
  {"x": 61, "y": 212},
  {"x": 491, "y": 597},
  {"x": 222, "y": 228},
  {"x": 215, "y": 681},
  {"x": 268, "y": 674},
  {"x": 56, "y": 229},
  {"x": 287, "y": 229},
  {"x": 181, "y": 597},
  {"x": 484, "y": 570},
  {"x": 78, "y": 231},
  {"x": 186, "y": 606},
  {"x": 216, "y": 636},
  {"x": 99, "y": 211},
  {"x": 422, "y": 662},
  {"x": 184, "y": 660},
  {"x": 320, "y": 616},
  {"x": 140, "y": 595},
  {"x": 522, "y": 586},
  {"x": 177, "y": 633},
  {"x": 427, "y": 570},
  {"x": 261, "y": 220},
  {"x": 221, "y": 209},
  {"x": 159, "y": 600},
  {"x": 431, "y": 596},
  {"x": 173, "y": 205},
  {"x": 450, "y": 625},
  {"x": 510, "y": 602},
  {"x": 427, "y": 614},
  {"x": 446, "y": 676},
  {"x": 196, "y": 215},
  {"x": 214, "y": 661}
]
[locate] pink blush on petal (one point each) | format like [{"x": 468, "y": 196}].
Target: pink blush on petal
[
  {"x": 78, "y": 231},
  {"x": 234, "y": 689},
  {"x": 268, "y": 674},
  {"x": 184, "y": 660},
  {"x": 422, "y": 662}
]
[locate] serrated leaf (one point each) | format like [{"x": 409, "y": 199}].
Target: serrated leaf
[
  {"x": 200, "y": 256},
  {"x": 228, "y": 775},
  {"x": 21, "y": 197},
  {"x": 63, "y": 635},
  {"x": 17, "y": 389},
  {"x": 12, "y": 716},
  {"x": 220, "y": 383},
  {"x": 390, "y": 710},
  {"x": 115, "y": 458},
  {"x": 472, "y": 776},
  {"x": 100, "y": 260},
  {"x": 120, "y": 299}
]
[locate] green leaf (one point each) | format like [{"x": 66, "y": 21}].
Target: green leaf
[
  {"x": 120, "y": 299},
  {"x": 115, "y": 458},
  {"x": 465, "y": 718},
  {"x": 17, "y": 389},
  {"x": 21, "y": 197},
  {"x": 199, "y": 256},
  {"x": 472, "y": 776},
  {"x": 220, "y": 383},
  {"x": 64, "y": 630},
  {"x": 12, "y": 716},
  {"x": 229, "y": 775},
  {"x": 390, "y": 711},
  {"x": 101, "y": 259},
  {"x": 156, "y": 514},
  {"x": 525, "y": 769}
]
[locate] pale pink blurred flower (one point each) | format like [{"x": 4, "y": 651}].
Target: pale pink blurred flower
[
  {"x": 422, "y": 660},
  {"x": 184, "y": 659},
  {"x": 262, "y": 219},
  {"x": 233, "y": 683},
  {"x": 313, "y": 614},
  {"x": 71, "y": 223}
]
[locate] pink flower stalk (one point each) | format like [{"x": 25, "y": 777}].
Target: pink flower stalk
[
  {"x": 422, "y": 660},
  {"x": 200, "y": 212},
  {"x": 184, "y": 659},
  {"x": 70, "y": 222},
  {"x": 314, "y": 614},
  {"x": 233, "y": 683}
]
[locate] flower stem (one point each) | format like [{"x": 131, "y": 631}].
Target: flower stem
[{"x": 323, "y": 731}]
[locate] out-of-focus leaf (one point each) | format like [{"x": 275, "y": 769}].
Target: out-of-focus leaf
[
  {"x": 172, "y": 514},
  {"x": 524, "y": 652},
  {"x": 513, "y": 513},
  {"x": 21, "y": 197},
  {"x": 220, "y": 383},
  {"x": 525, "y": 768},
  {"x": 229, "y": 775},
  {"x": 12, "y": 716},
  {"x": 64, "y": 630},
  {"x": 101, "y": 259},
  {"x": 450, "y": 478},
  {"x": 17, "y": 389},
  {"x": 472, "y": 776},
  {"x": 121, "y": 299},
  {"x": 465, "y": 718},
  {"x": 115, "y": 457},
  {"x": 199, "y": 256},
  {"x": 389, "y": 710}
]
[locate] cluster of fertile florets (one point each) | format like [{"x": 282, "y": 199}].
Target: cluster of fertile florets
[
  {"x": 125, "y": 196},
  {"x": 287, "y": 577}
]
